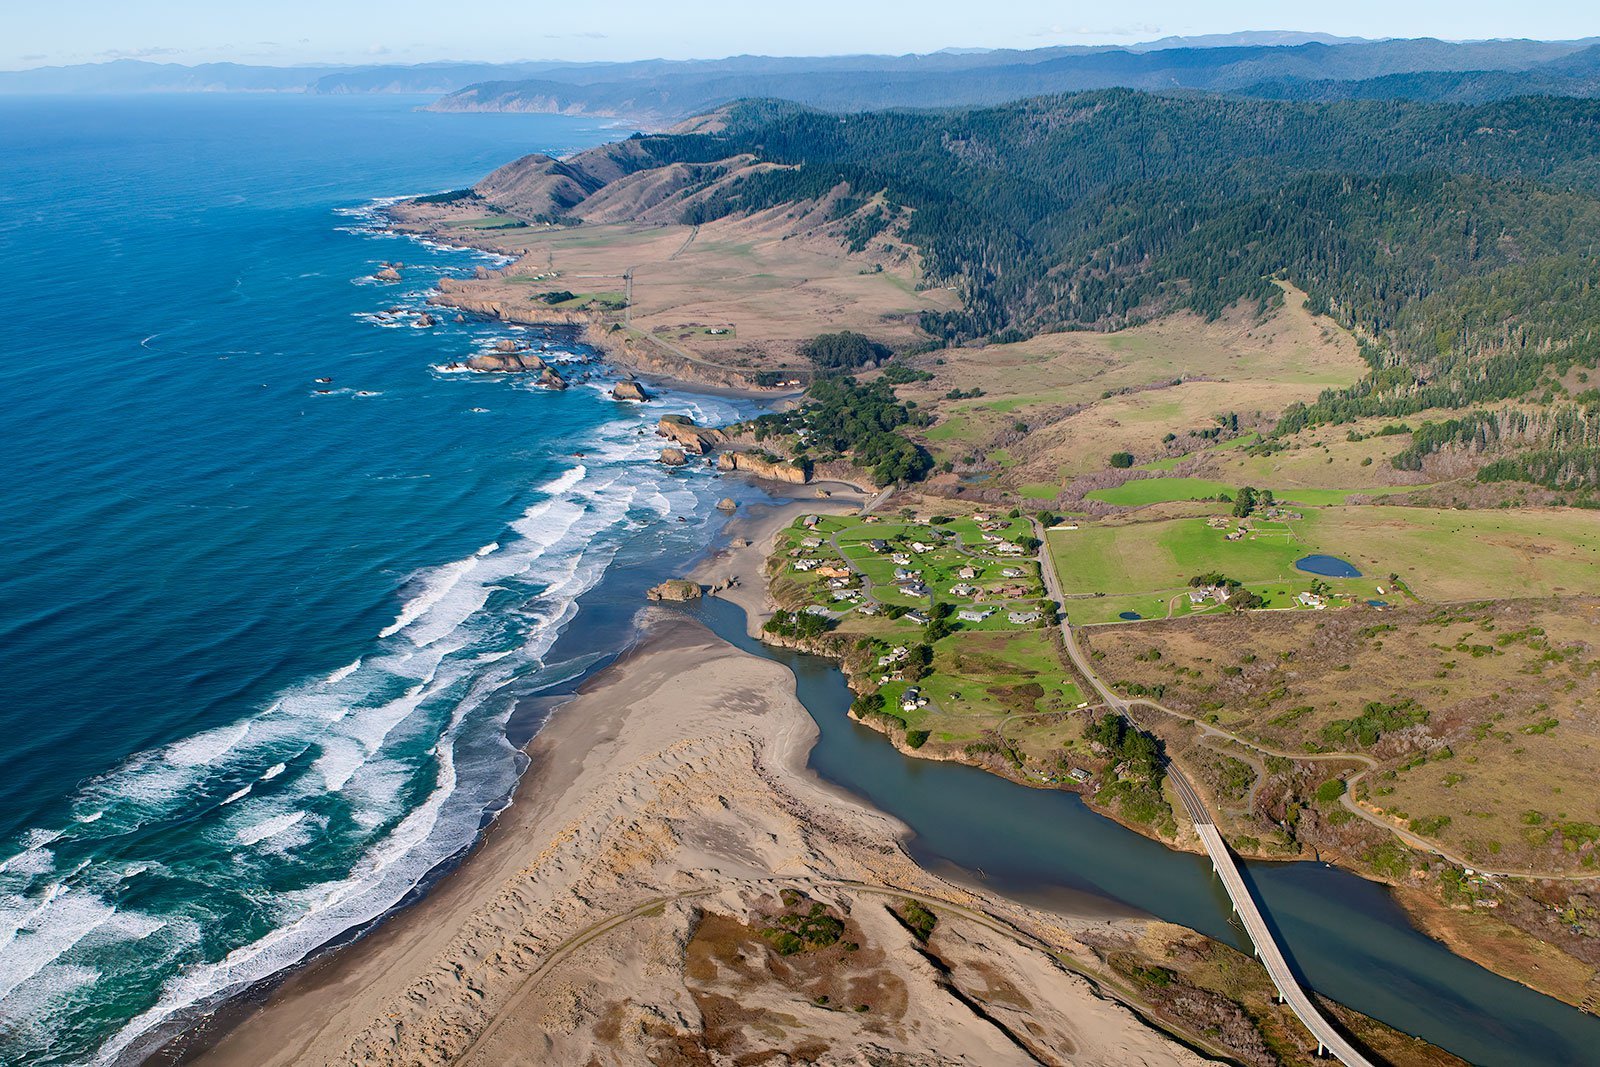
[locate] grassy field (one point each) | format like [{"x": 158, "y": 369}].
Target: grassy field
[
  {"x": 1462, "y": 555},
  {"x": 1145, "y": 491},
  {"x": 1124, "y": 385},
  {"x": 1441, "y": 555},
  {"x": 768, "y": 288},
  {"x": 1480, "y": 716}
]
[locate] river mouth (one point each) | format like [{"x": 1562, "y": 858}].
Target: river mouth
[
  {"x": 1327, "y": 566},
  {"x": 1344, "y": 936}
]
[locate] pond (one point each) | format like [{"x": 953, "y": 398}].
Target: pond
[
  {"x": 1130, "y": 616},
  {"x": 1344, "y": 935},
  {"x": 1327, "y": 566}
]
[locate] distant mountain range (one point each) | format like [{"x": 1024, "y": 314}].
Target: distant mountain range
[
  {"x": 1409, "y": 69},
  {"x": 1272, "y": 64}
]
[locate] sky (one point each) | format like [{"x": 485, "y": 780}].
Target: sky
[{"x": 286, "y": 32}]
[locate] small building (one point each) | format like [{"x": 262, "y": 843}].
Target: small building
[
  {"x": 833, "y": 570},
  {"x": 1008, "y": 548},
  {"x": 912, "y": 699},
  {"x": 921, "y": 546},
  {"x": 811, "y": 542},
  {"x": 974, "y": 614},
  {"x": 807, "y": 564},
  {"x": 810, "y": 521},
  {"x": 818, "y": 609},
  {"x": 1199, "y": 596},
  {"x": 967, "y": 574},
  {"x": 1079, "y": 775},
  {"x": 902, "y": 558},
  {"x": 840, "y": 583},
  {"x": 878, "y": 544},
  {"x": 1312, "y": 600},
  {"x": 963, "y": 589},
  {"x": 1013, "y": 572},
  {"x": 918, "y": 617},
  {"x": 914, "y": 588},
  {"x": 905, "y": 574},
  {"x": 1024, "y": 618}
]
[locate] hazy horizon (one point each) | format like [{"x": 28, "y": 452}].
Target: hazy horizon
[{"x": 409, "y": 32}]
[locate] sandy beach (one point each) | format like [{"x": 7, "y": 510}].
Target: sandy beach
[{"x": 615, "y": 913}]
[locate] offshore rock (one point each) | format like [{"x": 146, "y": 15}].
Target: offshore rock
[
  {"x": 676, "y": 590},
  {"x": 629, "y": 390},
  {"x": 673, "y": 457}
]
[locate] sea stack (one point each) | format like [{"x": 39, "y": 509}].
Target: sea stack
[
  {"x": 676, "y": 589},
  {"x": 673, "y": 457},
  {"x": 629, "y": 389}
]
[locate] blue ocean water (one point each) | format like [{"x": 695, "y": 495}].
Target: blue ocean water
[{"x": 259, "y": 642}]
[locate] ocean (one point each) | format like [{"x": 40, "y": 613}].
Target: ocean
[{"x": 261, "y": 637}]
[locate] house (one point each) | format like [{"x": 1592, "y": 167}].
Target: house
[
  {"x": 901, "y": 558},
  {"x": 981, "y": 516},
  {"x": 1013, "y": 572},
  {"x": 1078, "y": 774},
  {"x": 914, "y": 589},
  {"x": 868, "y": 609},
  {"x": 894, "y": 655},
  {"x": 878, "y": 544},
  {"x": 817, "y": 609},
  {"x": 919, "y": 546},
  {"x": 807, "y": 564},
  {"x": 1008, "y": 548},
  {"x": 811, "y": 542},
  {"x": 833, "y": 570},
  {"x": 967, "y": 574},
  {"x": 840, "y": 583},
  {"x": 1235, "y": 535},
  {"x": 1312, "y": 600},
  {"x": 963, "y": 589},
  {"x": 992, "y": 539},
  {"x": 810, "y": 521},
  {"x": 912, "y": 699},
  {"x": 974, "y": 614},
  {"x": 1013, "y": 592},
  {"x": 918, "y": 617},
  {"x": 848, "y": 595},
  {"x": 905, "y": 574},
  {"x": 1199, "y": 596},
  {"x": 1024, "y": 618}
]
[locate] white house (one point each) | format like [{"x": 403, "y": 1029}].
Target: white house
[
  {"x": 974, "y": 614},
  {"x": 1023, "y": 618}
]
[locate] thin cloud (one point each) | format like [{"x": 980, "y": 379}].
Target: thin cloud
[{"x": 137, "y": 53}]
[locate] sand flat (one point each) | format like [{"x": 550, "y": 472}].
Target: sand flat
[{"x": 613, "y": 914}]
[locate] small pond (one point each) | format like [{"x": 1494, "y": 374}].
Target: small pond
[
  {"x": 1130, "y": 616},
  {"x": 1327, "y": 566}
]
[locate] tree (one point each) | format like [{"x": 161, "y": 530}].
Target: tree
[
  {"x": 1121, "y": 460},
  {"x": 1244, "y": 502}
]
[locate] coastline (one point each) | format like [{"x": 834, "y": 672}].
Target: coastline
[{"x": 619, "y": 811}]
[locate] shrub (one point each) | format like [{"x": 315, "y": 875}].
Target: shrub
[{"x": 1121, "y": 460}]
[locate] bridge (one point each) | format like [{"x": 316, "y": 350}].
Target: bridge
[{"x": 1290, "y": 992}]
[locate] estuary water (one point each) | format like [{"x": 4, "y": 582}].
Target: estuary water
[{"x": 260, "y": 634}]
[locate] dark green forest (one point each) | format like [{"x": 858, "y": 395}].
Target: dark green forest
[{"x": 1458, "y": 241}]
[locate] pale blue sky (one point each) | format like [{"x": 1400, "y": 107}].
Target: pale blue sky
[{"x": 408, "y": 31}]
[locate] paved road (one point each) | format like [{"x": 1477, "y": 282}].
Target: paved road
[{"x": 1328, "y": 1038}]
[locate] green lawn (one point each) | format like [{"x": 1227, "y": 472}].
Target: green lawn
[{"x": 1161, "y": 491}]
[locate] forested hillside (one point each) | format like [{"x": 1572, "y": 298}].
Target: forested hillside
[{"x": 1459, "y": 241}]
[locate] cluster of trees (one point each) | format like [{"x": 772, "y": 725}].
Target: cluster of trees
[
  {"x": 798, "y": 624},
  {"x": 1248, "y": 498},
  {"x": 845, "y": 350},
  {"x": 1557, "y": 447},
  {"x": 1458, "y": 238},
  {"x": 863, "y": 421}
]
